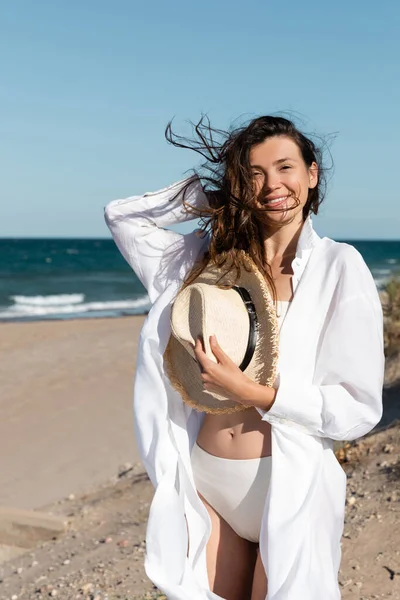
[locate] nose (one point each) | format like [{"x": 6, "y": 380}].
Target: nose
[{"x": 271, "y": 182}]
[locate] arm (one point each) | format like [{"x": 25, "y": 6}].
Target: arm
[
  {"x": 137, "y": 225},
  {"x": 347, "y": 401}
]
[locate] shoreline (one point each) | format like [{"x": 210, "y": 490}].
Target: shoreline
[
  {"x": 102, "y": 314},
  {"x": 72, "y": 317}
]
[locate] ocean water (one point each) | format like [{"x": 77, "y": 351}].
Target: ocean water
[
  {"x": 78, "y": 278},
  {"x": 63, "y": 279}
]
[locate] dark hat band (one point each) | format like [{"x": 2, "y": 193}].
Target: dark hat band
[{"x": 253, "y": 321}]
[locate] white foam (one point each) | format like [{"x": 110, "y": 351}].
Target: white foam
[
  {"x": 57, "y": 300},
  {"x": 20, "y": 310},
  {"x": 381, "y": 272}
]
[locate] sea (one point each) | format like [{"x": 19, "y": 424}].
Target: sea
[{"x": 42, "y": 279}]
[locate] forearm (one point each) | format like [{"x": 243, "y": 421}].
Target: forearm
[
  {"x": 162, "y": 208},
  {"x": 140, "y": 228},
  {"x": 329, "y": 410},
  {"x": 257, "y": 395}
]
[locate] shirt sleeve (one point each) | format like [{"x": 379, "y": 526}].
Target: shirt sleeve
[
  {"x": 347, "y": 402},
  {"x": 139, "y": 226}
]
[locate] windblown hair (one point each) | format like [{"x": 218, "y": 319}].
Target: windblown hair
[{"x": 237, "y": 218}]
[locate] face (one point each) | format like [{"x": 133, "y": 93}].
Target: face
[{"x": 281, "y": 176}]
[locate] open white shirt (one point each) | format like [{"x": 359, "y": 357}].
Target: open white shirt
[{"x": 330, "y": 388}]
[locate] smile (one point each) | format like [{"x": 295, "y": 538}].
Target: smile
[{"x": 278, "y": 201}]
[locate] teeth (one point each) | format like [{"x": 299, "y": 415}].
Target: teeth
[{"x": 277, "y": 200}]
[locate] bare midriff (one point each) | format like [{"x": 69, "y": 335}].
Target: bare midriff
[{"x": 239, "y": 435}]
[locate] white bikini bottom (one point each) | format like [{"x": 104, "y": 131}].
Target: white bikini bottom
[{"x": 235, "y": 488}]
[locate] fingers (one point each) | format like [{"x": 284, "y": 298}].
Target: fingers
[
  {"x": 220, "y": 377},
  {"x": 198, "y": 349},
  {"x": 205, "y": 375},
  {"x": 201, "y": 356},
  {"x": 217, "y": 350}
]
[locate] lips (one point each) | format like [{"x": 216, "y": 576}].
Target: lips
[{"x": 277, "y": 200}]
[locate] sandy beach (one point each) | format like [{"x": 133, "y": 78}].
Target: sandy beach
[{"x": 66, "y": 406}]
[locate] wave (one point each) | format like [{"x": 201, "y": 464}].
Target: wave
[
  {"x": 58, "y": 300},
  {"x": 71, "y": 305},
  {"x": 75, "y": 305}
]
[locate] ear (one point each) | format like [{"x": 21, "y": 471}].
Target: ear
[{"x": 313, "y": 175}]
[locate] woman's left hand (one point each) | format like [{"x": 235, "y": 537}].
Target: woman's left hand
[{"x": 225, "y": 378}]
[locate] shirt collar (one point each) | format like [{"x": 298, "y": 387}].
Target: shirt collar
[{"x": 308, "y": 238}]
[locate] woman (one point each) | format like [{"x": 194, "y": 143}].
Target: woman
[{"x": 266, "y": 182}]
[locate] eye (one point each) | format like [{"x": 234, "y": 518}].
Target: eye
[{"x": 286, "y": 167}]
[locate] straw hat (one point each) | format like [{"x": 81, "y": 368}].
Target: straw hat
[{"x": 241, "y": 314}]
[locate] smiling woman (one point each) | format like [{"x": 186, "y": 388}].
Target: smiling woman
[
  {"x": 283, "y": 185},
  {"x": 249, "y": 500}
]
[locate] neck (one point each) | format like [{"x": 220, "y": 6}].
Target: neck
[{"x": 283, "y": 241}]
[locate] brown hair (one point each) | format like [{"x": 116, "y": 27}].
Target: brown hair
[{"x": 235, "y": 219}]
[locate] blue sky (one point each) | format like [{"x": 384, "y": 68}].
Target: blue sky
[{"x": 88, "y": 86}]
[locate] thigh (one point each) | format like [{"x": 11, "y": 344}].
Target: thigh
[
  {"x": 260, "y": 581},
  {"x": 230, "y": 559}
]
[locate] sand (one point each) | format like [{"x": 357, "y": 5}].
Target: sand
[
  {"x": 66, "y": 427},
  {"x": 66, "y": 406}
]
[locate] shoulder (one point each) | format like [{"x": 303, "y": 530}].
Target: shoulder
[
  {"x": 348, "y": 264},
  {"x": 342, "y": 254}
]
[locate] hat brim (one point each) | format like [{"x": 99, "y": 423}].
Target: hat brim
[{"x": 184, "y": 372}]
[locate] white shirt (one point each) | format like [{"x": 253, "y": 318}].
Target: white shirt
[
  {"x": 331, "y": 377},
  {"x": 281, "y": 311}
]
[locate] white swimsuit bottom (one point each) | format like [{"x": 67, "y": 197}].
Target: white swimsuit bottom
[{"x": 235, "y": 488}]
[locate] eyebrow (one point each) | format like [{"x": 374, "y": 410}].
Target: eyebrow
[{"x": 277, "y": 162}]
